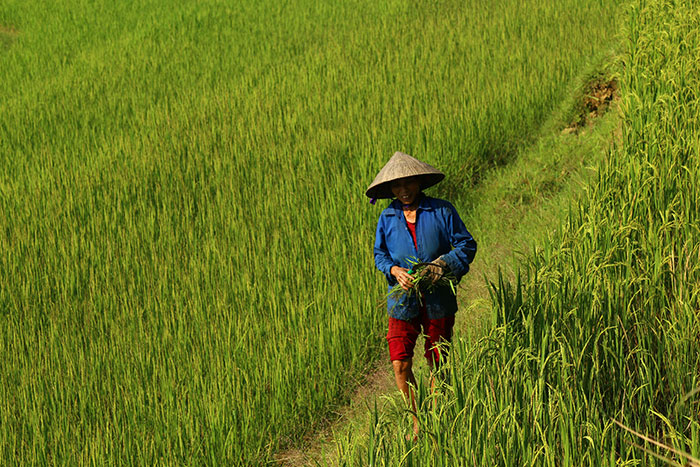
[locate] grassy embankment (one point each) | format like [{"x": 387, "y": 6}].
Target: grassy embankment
[
  {"x": 603, "y": 325},
  {"x": 184, "y": 261}
]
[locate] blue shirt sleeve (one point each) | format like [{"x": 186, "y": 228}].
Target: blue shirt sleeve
[
  {"x": 463, "y": 244},
  {"x": 382, "y": 258}
]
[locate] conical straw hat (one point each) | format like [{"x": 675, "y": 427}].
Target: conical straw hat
[{"x": 400, "y": 166}]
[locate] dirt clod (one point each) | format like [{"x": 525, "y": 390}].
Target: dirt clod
[
  {"x": 8, "y": 34},
  {"x": 597, "y": 97}
]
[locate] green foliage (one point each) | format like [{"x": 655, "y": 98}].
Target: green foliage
[{"x": 185, "y": 275}]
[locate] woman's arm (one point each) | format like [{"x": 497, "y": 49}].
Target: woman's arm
[
  {"x": 463, "y": 244},
  {"x": 382, "y": 258},
  {"x": 384, "y": 262}
]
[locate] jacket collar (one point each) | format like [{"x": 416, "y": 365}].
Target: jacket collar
[{"x": 425, "y": 204}]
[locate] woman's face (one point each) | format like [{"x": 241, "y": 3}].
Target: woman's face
[{"x": 406, "y": 189}]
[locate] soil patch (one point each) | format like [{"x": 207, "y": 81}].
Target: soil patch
[
  {"x": 597, "y": 97},
  {"x": 8, "y": 34}
]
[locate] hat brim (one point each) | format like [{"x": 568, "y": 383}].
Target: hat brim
[{"x": 383, "y": 190}]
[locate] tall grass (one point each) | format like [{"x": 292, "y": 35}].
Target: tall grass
[
  {"x": 602, "y": 327},
  {"x": 185, "y": 272}
]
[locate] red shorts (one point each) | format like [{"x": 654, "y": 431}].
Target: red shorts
[{"x": 402, "y": 336}]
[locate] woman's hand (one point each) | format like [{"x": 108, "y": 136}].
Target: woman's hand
[
  {"x": 435, "y": 270},
  {"x": 402, "y": 277}
]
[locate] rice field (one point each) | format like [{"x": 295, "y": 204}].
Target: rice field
[{"x": 185, "y": 248}]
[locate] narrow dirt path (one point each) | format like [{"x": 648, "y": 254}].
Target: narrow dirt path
[{"x": 379, "y": 382}]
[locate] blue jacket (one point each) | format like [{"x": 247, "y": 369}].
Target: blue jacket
[{"x": 439, "y": 232}]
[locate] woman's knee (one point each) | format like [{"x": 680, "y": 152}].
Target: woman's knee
[{"x": 402, "y": 366}]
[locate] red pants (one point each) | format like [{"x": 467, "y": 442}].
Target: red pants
[{"x": 402, "y": 336}]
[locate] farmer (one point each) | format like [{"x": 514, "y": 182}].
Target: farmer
[{"x": 416, "y": 226}]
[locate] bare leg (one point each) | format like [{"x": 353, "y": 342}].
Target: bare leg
[{"x": 403, "y": 373}]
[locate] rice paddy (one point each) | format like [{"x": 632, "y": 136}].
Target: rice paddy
[{"x": 185, "y": 248}]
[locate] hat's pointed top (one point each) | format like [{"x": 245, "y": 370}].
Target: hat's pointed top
[{"x": 401, "y": 166}]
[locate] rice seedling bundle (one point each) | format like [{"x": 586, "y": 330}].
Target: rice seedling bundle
[{"x": 423, "y": 281}]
